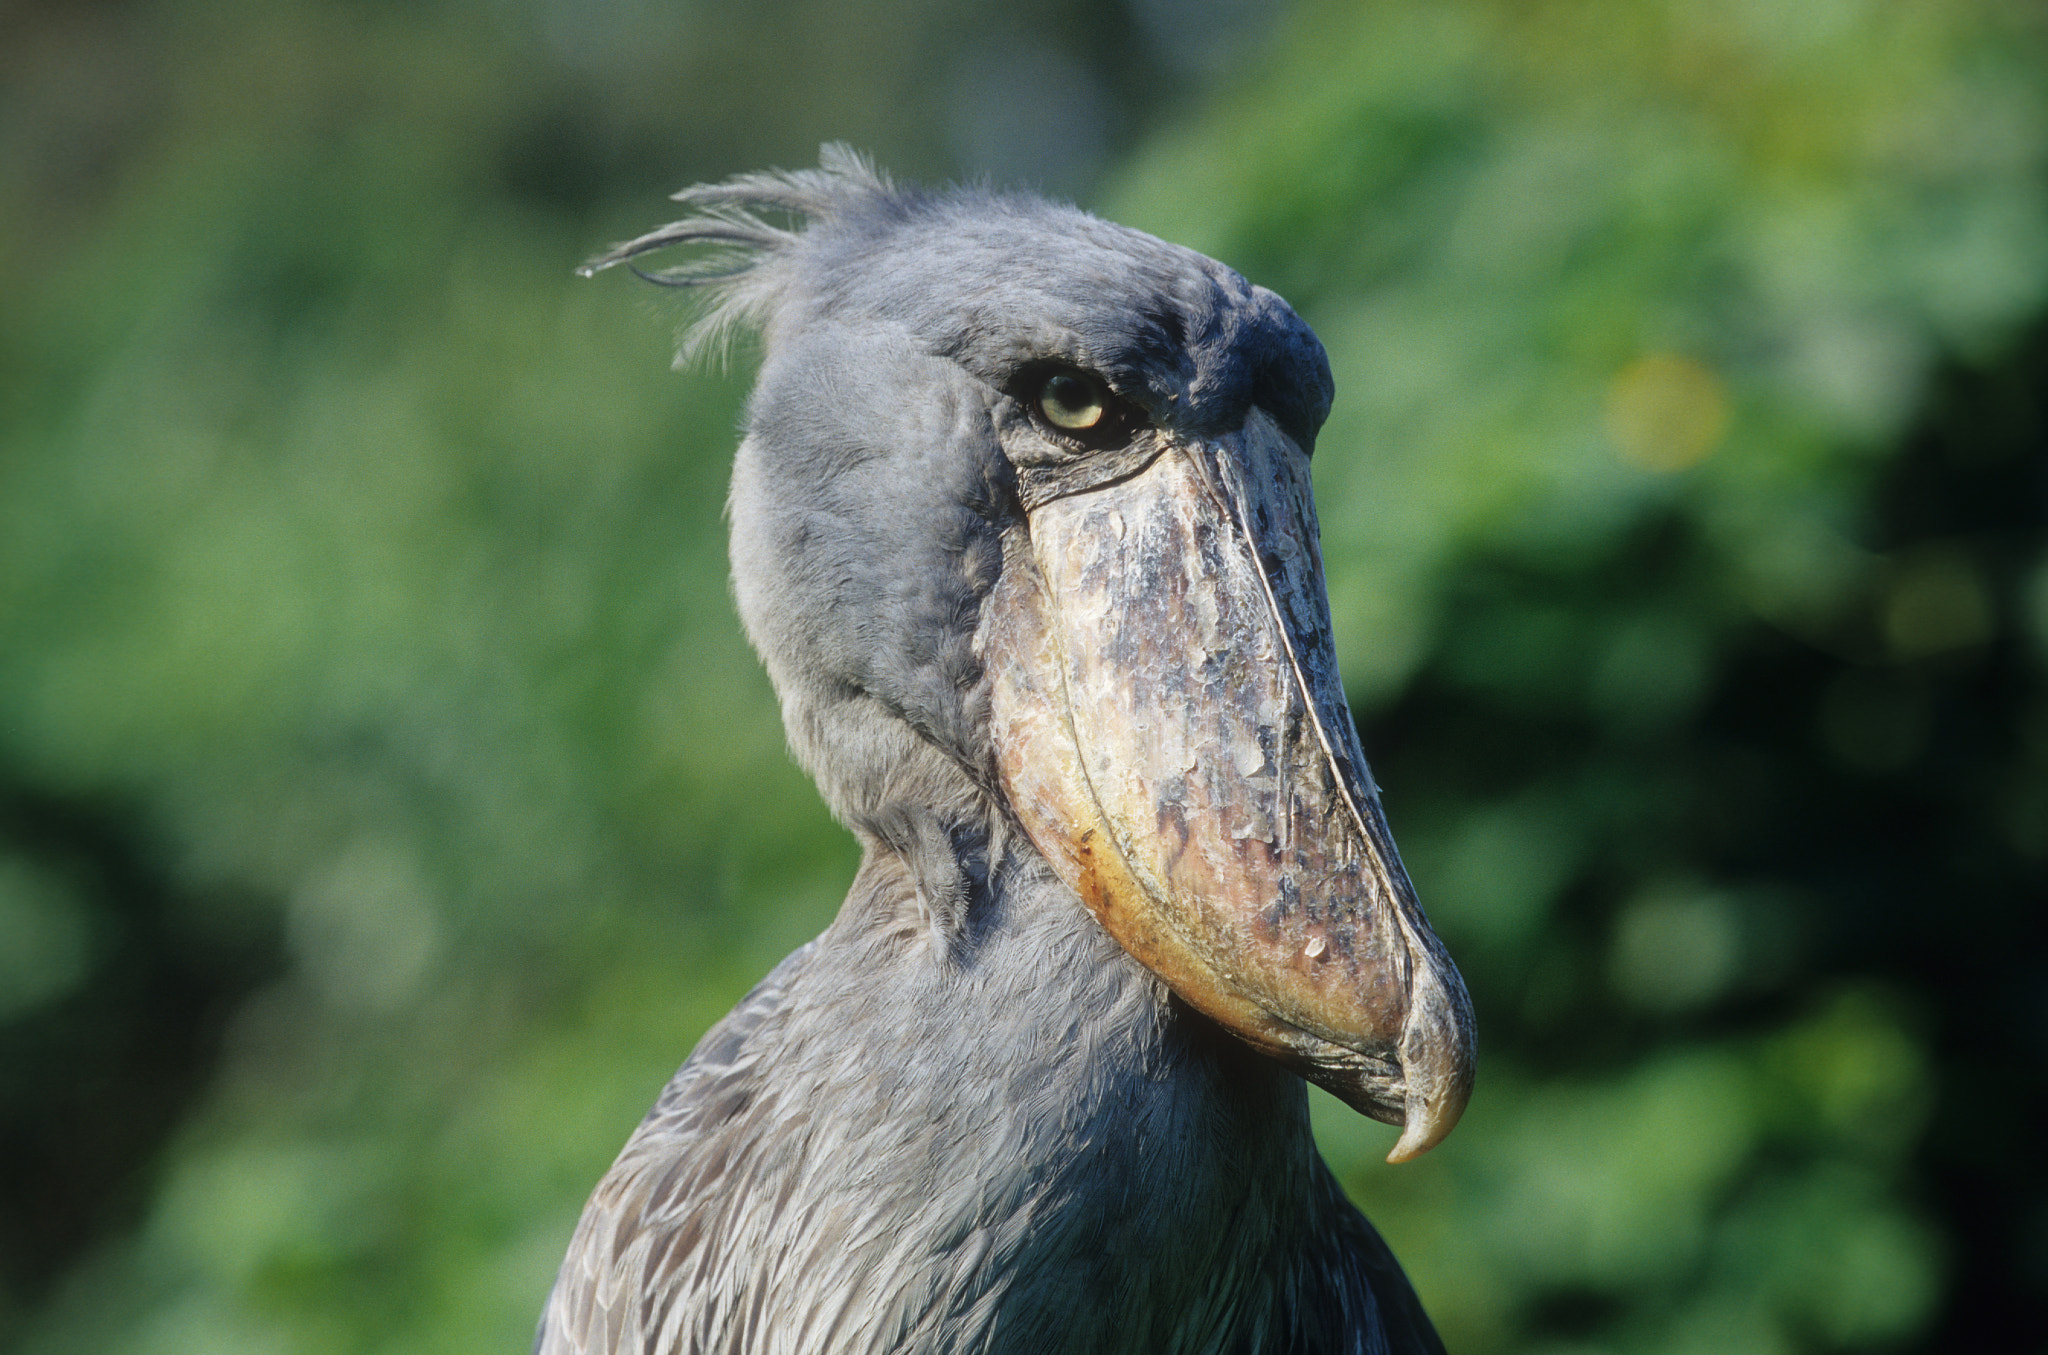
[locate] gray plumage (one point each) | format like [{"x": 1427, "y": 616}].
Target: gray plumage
[{"x": 963, "y": 1119}]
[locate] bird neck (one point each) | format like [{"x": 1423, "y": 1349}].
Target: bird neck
[{"x": 1002, "y": 1072}]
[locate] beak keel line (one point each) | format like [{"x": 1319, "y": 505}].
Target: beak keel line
[{"x": 1174, "y": 739}]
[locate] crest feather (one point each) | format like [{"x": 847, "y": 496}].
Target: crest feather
[{"x": 736, "y": 218}]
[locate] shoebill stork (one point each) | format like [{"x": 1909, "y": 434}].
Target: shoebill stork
[{"x": 1022, "y": 529}]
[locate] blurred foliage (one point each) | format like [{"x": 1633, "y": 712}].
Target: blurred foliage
[{"x": 387, "y": 798}]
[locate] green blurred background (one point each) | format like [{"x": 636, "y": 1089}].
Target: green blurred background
[{"x": 388, "y": 799}]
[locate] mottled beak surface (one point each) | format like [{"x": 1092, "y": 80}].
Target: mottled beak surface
[{"x": 1174, "y": 738}]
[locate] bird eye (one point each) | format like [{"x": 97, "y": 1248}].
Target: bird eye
[{"x": 1073, "y": 401}]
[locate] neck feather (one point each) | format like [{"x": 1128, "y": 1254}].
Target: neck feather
[{"x": 1024, "y": 1125}]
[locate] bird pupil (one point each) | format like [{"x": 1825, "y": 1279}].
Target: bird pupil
[{"x": 1070, "y": 401}]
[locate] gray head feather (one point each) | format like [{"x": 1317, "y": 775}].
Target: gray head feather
[{"x": 870, "y": 491}]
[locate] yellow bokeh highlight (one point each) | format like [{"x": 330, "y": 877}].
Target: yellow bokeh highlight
[{"x": 1666, "y": 412}]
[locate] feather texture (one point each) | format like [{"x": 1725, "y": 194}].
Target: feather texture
[
  {"x": 1023, "y": 1147},
  {"x": 962, "y": 1119}
]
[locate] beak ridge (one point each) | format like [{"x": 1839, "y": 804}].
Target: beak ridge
[{"x": 1173, "y": 737}]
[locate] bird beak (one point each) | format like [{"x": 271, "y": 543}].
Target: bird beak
[{"x": 1174, "y": 739}]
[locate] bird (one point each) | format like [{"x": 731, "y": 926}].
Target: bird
[{"x": 1022, "y": 530}]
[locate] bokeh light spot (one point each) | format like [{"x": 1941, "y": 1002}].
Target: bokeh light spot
[
  {"x": 1936, "y": 603},
  {"x": 1672, "y": 950},
  {"x": 1666, "y": 412},
  {"x": 364, "y": 927}
]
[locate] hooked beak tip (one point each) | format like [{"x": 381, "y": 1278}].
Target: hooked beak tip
[
  {"x": 1427, "y": 1123},
  {"x": 1436, "y": 1055}
]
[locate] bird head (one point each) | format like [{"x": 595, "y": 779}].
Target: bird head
[{"x": 1022, "y": 518}]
